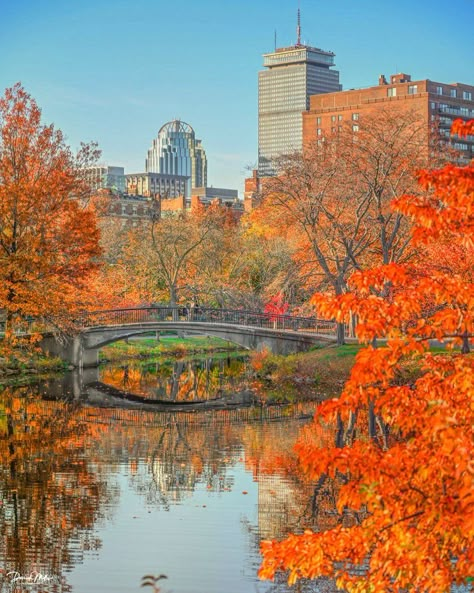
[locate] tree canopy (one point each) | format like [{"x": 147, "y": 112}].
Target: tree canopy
[{"x": 49, "y": 241}]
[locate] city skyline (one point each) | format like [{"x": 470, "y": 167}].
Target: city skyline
[{"x": 116, "y": 72}]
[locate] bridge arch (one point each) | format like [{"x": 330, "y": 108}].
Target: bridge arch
[
  {"x": 98, "y": 338},
  {"x": 250, "y": 330}
]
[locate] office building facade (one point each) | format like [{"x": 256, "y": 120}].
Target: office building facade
[
  {"x": 176, "y": 151},
  {"x": 156, "y": 184},
  {"x": 291, "y": 76},
  {"x": 106, "y": 177}
]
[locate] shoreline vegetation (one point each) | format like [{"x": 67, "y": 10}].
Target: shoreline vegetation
[
  {"x": 306, "y": 376},
  {"x": 315, "y": 375},
  {"x": 28, "y": 366},
  {"x": 31, "y": 368}
]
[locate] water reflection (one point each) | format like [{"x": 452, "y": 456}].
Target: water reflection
[
  {"x": 182, "y": 380},
  {"x": 51, "y": 495},
  {"x": 195, "y": 491}
]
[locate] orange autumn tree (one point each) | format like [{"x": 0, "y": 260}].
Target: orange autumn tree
[
  {"x": 414, "y": 487},
  {"x": 48, "y": 234}
]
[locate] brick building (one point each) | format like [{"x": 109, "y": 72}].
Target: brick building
[
  {"x": 436, "y": 103},
  {"x": 130, "y": 210},
  {"x": 133, "y": 209}
]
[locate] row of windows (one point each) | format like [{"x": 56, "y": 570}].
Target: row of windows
[
  {"x": 319, "y": 131},
  {"x": 466, "y": 95},
  {"x": 299, "y": 99},
  {"x": 280, "y": 138},
  {"x": 413, "y": 90},
  {"x": 339, "y": 118},
  {"x": 355, "y": 117},
  {"x": 462, "y": 146},
  {"x": 453, "y": 109},
  {"x": 272, "y": 123}
]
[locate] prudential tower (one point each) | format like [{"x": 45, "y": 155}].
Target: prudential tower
[{"x": 292, "y": 75}]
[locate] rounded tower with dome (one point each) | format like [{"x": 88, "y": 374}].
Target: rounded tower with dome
[{"x": 176, "y": 151}]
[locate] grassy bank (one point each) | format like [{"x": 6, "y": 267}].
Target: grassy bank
[
  {"x": 169, "y": 345},
  {"x": 315, "y": 375}
]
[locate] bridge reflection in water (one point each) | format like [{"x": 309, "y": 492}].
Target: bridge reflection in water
[{"x": 281, "y": 334}]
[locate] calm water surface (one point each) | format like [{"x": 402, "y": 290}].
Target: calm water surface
[{"x": 99, "y": 490}]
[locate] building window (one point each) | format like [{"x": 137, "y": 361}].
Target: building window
[
  {"x": 318, "y": 121},
  {"x": 453, "y": 93},
  {"x": 339, "y": 117},
  {"x": 412, "y": 89},
  {"x": 319, "y": 132},
  {"x": 392, "y": 92},
  {"x": 333, "y": 130},
  {"x": 355, "y": 116},
  {"x": 355, "y": 128},
  {"x": 333, "y": 118},
  {"x": 439, "y": 90},
  {"x": 467, "y": 95}
]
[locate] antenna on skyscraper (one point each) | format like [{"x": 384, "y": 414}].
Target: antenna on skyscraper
[{"x": 298, "y": 27}]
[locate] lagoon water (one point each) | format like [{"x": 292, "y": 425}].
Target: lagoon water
[{"x": 99, "y": 489}]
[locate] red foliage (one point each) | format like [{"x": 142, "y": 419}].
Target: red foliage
[{"x": 276, "y": 306}]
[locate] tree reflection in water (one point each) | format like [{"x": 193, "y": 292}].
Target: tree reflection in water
[
  {"x": 52, "y": 495},
  {"x": 180, "y": 380}
]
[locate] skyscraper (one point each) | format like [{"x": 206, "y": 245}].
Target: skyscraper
[
  {"x": 292, "y": 75},
  {"x": 177, "y": 152}
]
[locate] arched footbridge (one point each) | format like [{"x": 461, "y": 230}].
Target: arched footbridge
[{"x": 282, "y": 334}]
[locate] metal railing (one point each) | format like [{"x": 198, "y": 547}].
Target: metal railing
[
  {"x": 179, "y": 314},
  {"x": 183, "y": 315}
]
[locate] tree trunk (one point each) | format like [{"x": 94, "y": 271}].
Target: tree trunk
[
  {"x": 340, "y": 334},
  {"x": 339, "y": 440},
  {"x": 372, "y": 424},
  {"x": 340, "y": 327},
  {"x": 465, "y": 349},
  {"x": 173, "y": 301}
]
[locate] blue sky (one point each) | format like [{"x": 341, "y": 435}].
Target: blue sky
[{"x": 115, "y": 71}]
